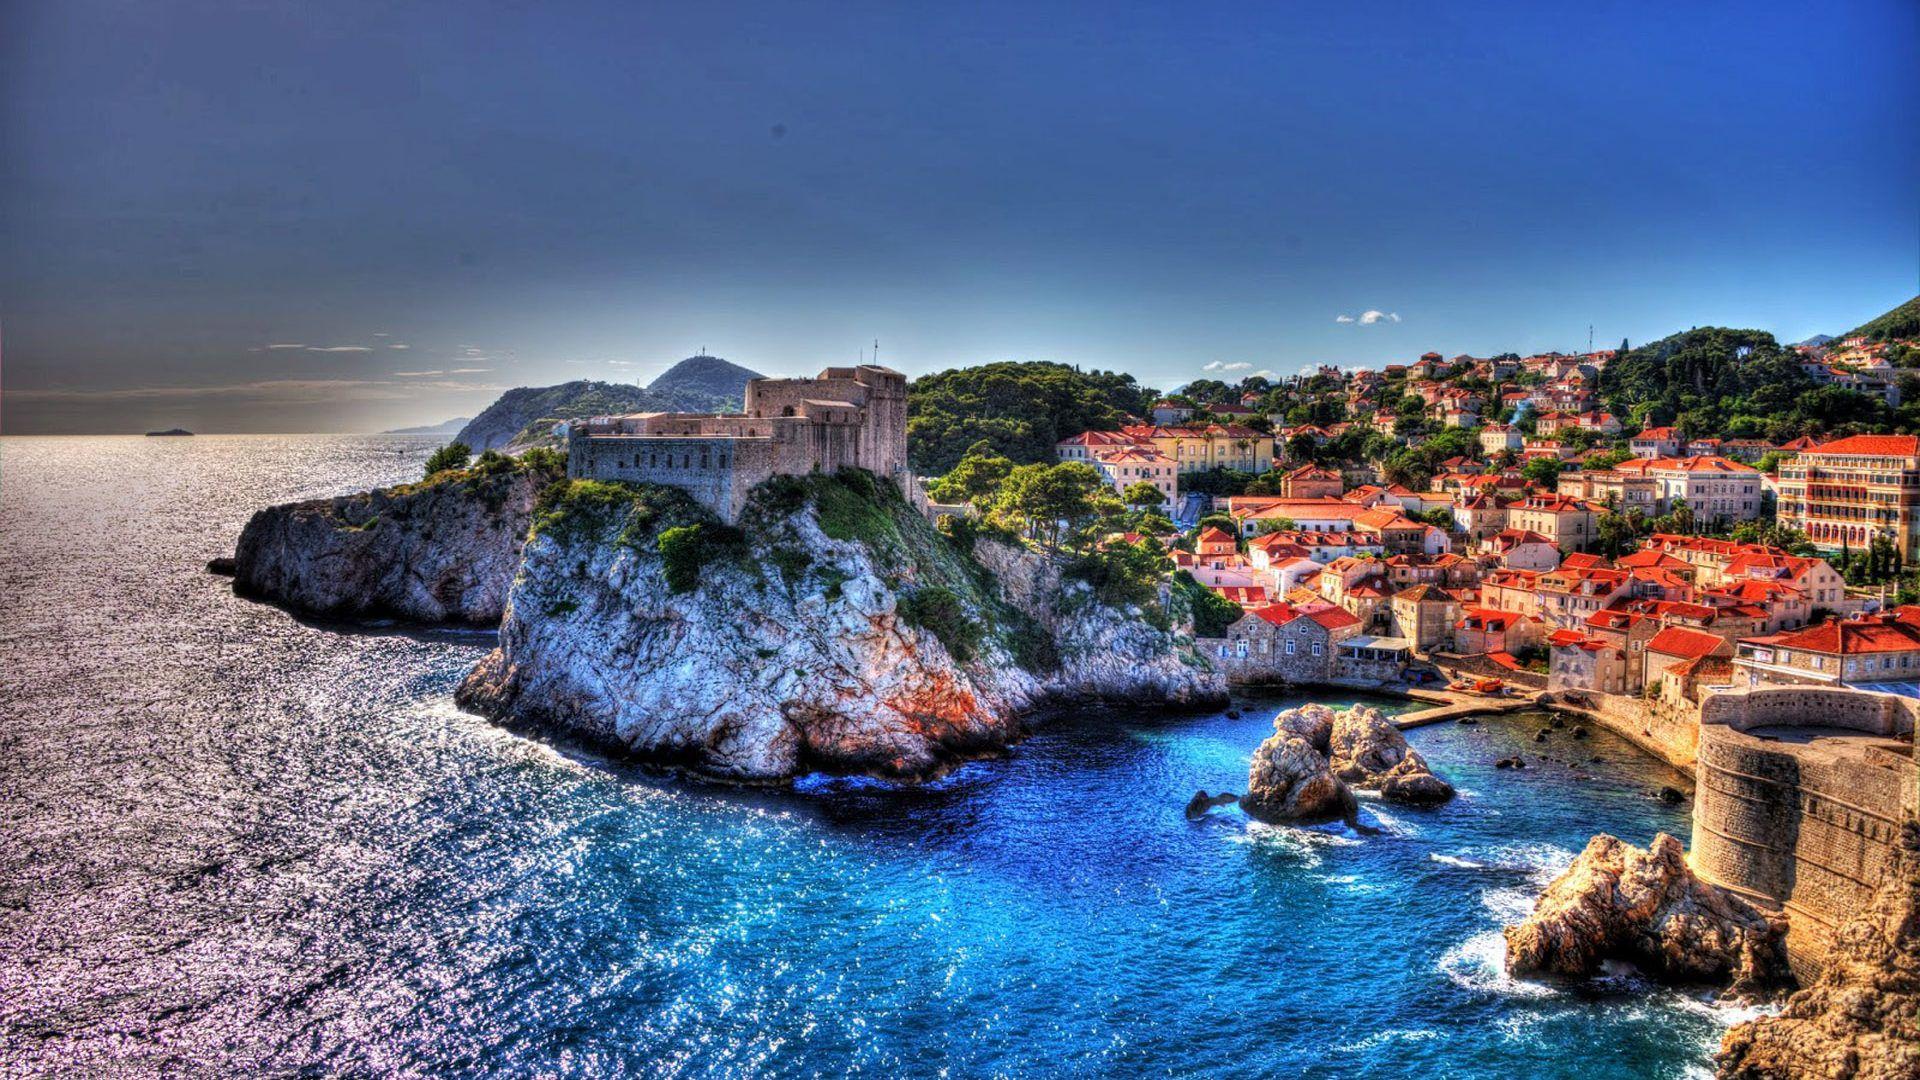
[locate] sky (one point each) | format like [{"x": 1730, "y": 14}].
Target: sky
[{"x": 269, "y": 216}]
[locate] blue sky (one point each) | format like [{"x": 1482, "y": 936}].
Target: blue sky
[{"x": 523, "y": 193}]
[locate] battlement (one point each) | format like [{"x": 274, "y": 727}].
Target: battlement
[{"x": 845, "y": 418}]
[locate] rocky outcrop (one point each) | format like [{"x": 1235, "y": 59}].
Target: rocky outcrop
[
  {"x": 834, "y": 630},
  {"x": 1102, "y": 652},
  {"x": 443, "y": 550},
  {"x": 1618, "y": 902},
  {"x": 1306, "y": 769},
  {"x": 1861, "y": 1021}
]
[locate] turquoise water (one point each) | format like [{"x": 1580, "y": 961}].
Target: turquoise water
[{"x": 238, "y": 841}]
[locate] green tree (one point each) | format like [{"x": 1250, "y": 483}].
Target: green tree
[
  {"x": 1049, "y": 499},
  {"x": 454, "y": 455},
  {"x": 1542, "y": 472},
  {"x": 974, "y": 480},
  {"x": 1141, "y": 495}
]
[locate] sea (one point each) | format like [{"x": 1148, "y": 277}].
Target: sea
[{"x": 234, "y": 841}]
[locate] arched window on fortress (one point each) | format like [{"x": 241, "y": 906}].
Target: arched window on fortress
[
  {"x": 723, "y": 461},
  {"x": 787, "y": 411},
  {"x": 653, "y": 460}
]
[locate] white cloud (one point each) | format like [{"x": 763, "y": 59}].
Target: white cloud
[
  {"x": 399, "y": 346},
  {"x": 1222, "y": 365},
  {"x": 1265, "y": 373},
  {"x": 1368, "y": 317},
  {"x": 1343, "y": 318},
  {"x": 1235, "y": 367},
  {"x": 339, "y": 348},
  {"x": 295, "y": 345},
  {"x": 443, "y": 371},
  {"x": 1214, "y": 366},
  {"x": 418, "y": 374}
]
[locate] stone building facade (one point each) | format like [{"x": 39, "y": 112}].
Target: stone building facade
[{"x": 845, "y": 418}]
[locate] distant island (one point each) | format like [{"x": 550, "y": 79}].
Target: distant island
[
  {"x": 169, "y": 431},
  {"x": 444, "y": 427}
]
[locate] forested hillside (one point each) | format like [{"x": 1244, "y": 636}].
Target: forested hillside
[{"x": 1018, "y": 409}]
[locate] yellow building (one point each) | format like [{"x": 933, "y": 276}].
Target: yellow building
[
  {"x": 1198, "y": 448},
  {"x": 1846, "y": 492}
]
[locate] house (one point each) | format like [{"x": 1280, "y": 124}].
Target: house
[
  {"x": 1424, "y": 616},
  {"x": 1719, "y": 490},
  {"x": 1576, "y": 661},
  {"x": 1489, "y": 630},
  {"x": 1676, "y": 644},
  {"x": 1495, "y": 438},
  {"x": 1310, "y": 482},
  {"x": 1281, "y": 643},
  {"x": 1877, "y": 651},
  {"x": 1167, "y": 412},
  {"x": 1657, "y": 442},
  {"x": 1479, "y": 516},
  {"x": 1522, "y": 549},
  {"x": 1122, "y": 467},
  {"x": 1567, "y": 522}
]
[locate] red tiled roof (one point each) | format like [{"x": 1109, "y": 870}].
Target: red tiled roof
[
  {"x": 1333, "y": 618},
  {"x": 1872, "y": 446},
  {"x": 1681, "y": 641},
  {"x": 1213, "y": 535},
  {"x": 1892, "y": 633}
]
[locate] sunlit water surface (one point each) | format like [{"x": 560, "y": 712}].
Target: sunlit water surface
[{"x": 234, "y": 841}]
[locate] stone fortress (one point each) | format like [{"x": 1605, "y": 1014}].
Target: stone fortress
[
  {"x": 1799, "y": 801},
  {"x": 851, "y": 417}
]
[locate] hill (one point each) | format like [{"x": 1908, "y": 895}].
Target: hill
[
  {"x": 524, "y": 416},
  {"x": 1726, "y": 382},
  {"x": 702, "y": 384},
  {"x": 1901, "y": 324},
  {"x": 1020, "y": 409}
]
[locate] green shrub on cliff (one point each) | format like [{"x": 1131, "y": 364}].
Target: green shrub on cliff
[
  {"x": 454, "y": 455},
  {"x": 940, "y": 611}
]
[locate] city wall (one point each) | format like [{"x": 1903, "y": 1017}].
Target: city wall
[{"x": 1796, "y": 820}]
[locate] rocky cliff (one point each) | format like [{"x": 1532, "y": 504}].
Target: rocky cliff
[
  {"x": 1618, "y": 902},
  {"x": 1861, "y": 1021},
  {"x": 443, "y": 550},
  {"x": 833, "y": 630}
]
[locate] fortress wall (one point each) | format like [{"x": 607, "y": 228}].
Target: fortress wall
[
  {"x": 1800, "y": 826},
  {"x": 717, "y": 471},
  {"x": 1827, "y": 706}
]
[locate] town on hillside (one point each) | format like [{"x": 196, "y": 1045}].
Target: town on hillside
[{"x": 1493, "y": 521}]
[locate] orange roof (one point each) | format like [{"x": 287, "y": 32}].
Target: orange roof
[
  {"x": 1213, "y": 535},
  {"x": 1891, "y": 632},
  {"x": 1872, "y": 446},
  {"x": 1681, "y": 641},
  {"x": 1580, "y": 560}
]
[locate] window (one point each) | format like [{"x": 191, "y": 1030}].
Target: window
[
  {"x": 1316, "y": 648},
  {"x": 1289, "y": 646}
]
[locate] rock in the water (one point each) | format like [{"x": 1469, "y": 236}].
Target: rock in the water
[
  {"x": 1580, "y": 732},
  {"x": 1617, "y": 902},
  {"x": 1510, "y": 763},
  {"x": 222, "y": 565},
  {"x": 1861, "y": 1021},
  {"x": 1468, "y": 721},
  {"x": 1304, "y": 769},
  {"x": 1540, "y": 736},
  {"x": 1202, "y": 802},
  {"x": 1672, "y": 796}
]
